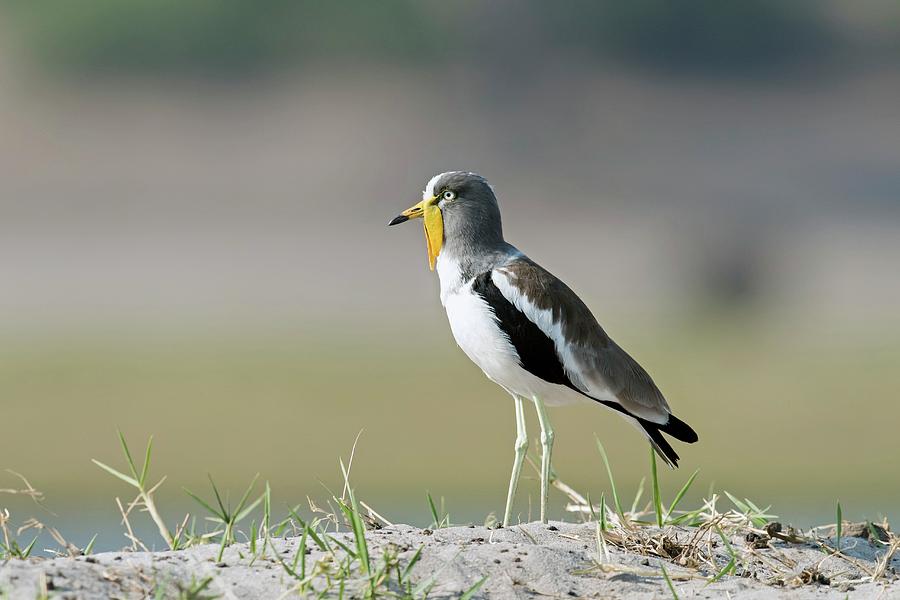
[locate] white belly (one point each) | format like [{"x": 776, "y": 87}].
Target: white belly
[{"x": 476, "y": 331}]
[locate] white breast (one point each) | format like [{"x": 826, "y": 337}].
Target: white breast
[
  {"x": 477, "y": 333},
  {"x": 449, "y": 274}
]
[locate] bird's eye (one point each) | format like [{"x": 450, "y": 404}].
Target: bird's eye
[{"x": 448, "y": 195}]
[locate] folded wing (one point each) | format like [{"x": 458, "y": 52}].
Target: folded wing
[{"x": 559, "y": 340}]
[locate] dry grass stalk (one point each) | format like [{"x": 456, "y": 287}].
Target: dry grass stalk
[
  {"x": 32, "y": 523},
  {"x": 129, "y": 532},
  {"x": 881, "y": 567},
  {"x": 29, "y": 489}
]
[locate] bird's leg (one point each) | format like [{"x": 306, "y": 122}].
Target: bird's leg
[
  {"x": 546, "y": 452},
  {"x": 520, "y": 448}
]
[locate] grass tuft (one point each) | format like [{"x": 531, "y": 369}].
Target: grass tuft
[
  {"x": 439, "y": 519},
  {"x": 145, "y": 494},
  {"x": 223, "y": 515}
]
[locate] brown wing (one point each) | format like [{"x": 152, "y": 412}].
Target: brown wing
[{"x": 595, "y": 364}]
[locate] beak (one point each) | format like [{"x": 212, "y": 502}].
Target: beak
[
  {"x": 413, "y": 212},
  {"x": 428, "y": 210}
]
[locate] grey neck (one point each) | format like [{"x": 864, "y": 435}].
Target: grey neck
[
  {"x": 473, "y": 238},
  {"x": 458, "y": 265}
]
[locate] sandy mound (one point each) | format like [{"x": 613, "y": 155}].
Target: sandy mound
[{"x": 557, "y": 560}]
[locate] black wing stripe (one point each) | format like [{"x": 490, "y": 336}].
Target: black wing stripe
[
  {"x": 537, "y": 353},
  {"x": 660, "y": 444}
]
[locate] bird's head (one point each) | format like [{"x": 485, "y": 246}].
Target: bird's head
[{"x": 458, "y": 208}]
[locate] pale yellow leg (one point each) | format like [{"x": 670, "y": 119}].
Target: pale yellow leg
[
  {"x": 546, "y": 453},
  {"x": 521, "y": 448}
]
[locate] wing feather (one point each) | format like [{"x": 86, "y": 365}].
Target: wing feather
[{"x": 594, "y": 363}]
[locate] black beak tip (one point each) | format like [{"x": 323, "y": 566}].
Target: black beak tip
[{"x": 398, "y": 219}]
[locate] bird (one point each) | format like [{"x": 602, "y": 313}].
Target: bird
[{"x": 526, "y": 329}]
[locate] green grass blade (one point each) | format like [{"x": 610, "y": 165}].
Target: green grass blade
[
  {"x": 590, "y": 506},
  {"x": 280, "y": 528},
  {"x": 128, "y": 455},
  {"x": 691, "y": 518},
  {"x": 424, "y": 587},
  {"x": 248, "y": 509},
  {"x": 727, "y": 544},
  {"x": 412, "y": 562},
  {"x": 434, "y": 510},
  {"x": 359, "y": 532},
  {"x": 612, "y": 482},
  {"x": 467, "y": 595},
  {"x": 225, "y": 535},
  {"x": 741, "y": 506},
  {"x": 146, "y": 468},
  {"x": 347, "y": 549},
  {"x": 287, "y": 568},
  {"x": 761, "y": 516},
  {"x": 727, "y": 569},
  {"x": 312, "y": 532},
  {"x": 756, "y": 515},
  {"x": 267, "y": 510},
  {"x": 681, "y": 494},
  {"x": 27, "y": 551},
  {"x": 377, "y": 578},
  {"x": 243, "y": 501},
  {"x": 732, "y": 563},
  {"x": 202, "y": 502},
  {"x": 129, "y": 480},
  {"x": 301, "y": 553},
  {"x": 603, "y": 524},
  {"x": 669, "y": 581},
  {"x": 225, "y": 511},
  {"x": 657, "y": 502},
  {"x": 90, "y": 547}
]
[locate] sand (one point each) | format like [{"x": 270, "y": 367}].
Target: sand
[{"x": 559, "y": 560}]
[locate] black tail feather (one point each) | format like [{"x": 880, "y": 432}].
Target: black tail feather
[
  {"x": 660, "y": 444},
  {"x": 675, "y": 427},
  {"x": 679, "y": 430}
]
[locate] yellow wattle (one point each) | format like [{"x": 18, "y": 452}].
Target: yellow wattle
[{"x": 434, "y": 233}]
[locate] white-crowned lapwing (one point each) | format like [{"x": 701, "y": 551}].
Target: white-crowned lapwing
[{"x": 525, "y": 328}]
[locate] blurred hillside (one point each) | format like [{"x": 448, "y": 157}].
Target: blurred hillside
[
  {"x": 193, "y": 243},
  {"x": 718, "y": 134},
  {"x": 239, "y": 38}
]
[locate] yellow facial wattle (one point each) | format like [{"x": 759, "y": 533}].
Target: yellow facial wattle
[
  {"x": 433, "y": 220},
  {"x": 434, "y": 231},
  {"x": 430, "y": 213}
]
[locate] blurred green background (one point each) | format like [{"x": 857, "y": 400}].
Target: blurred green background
[{"x": 193, "y": 199}]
